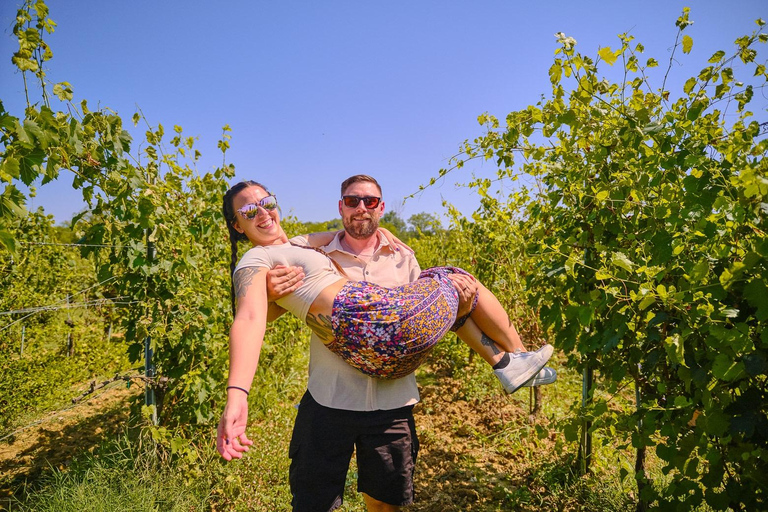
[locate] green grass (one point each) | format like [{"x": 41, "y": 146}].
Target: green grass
[
  {"x": 480, "y": 452},
  {"x": 122, "y": 476}
]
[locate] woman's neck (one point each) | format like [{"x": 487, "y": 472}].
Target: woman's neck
[{"x": 281, "y": 239}]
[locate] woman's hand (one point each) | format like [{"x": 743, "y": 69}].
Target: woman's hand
[
  {"x": 466, "y": 286},
  {"x": 231, "y": 440}
]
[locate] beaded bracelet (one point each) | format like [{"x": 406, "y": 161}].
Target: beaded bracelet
[{"x": 236, "y": 387}]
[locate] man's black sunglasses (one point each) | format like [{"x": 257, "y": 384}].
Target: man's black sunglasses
[{"x": 370, "y": 202}]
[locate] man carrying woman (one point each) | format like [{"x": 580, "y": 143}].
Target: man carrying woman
[{"x": 343, "y": 408}]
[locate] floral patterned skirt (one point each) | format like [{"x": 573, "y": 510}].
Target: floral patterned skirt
[{"x": 388, "y": 332}]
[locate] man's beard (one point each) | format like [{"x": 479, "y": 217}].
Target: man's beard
[{"x": 361, "y": 230}]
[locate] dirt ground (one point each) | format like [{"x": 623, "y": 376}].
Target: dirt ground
[
  {"x": 57, "y": 437},
  {"x": 466, "y": 459}
]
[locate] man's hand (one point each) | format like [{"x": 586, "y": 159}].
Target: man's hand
[
  {"x": 467, "y": 288},
  {"x": 283, "y": 280}
]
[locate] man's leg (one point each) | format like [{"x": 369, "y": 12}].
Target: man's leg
[
  {"x": 374, "y": 505},
  {"x": 320, "y": 451},
  {"x": 386, "y": 448}
]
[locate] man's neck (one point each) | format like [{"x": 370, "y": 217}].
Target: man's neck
[{"x": 361, "y": 247}]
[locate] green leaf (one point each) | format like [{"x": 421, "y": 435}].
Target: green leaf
[
  {"x": 715, "y": 422},
  {"x": 687, "y": 44},
  {"x": 555, "y": 74},
  {"x": 725, "y": 279},
  {"x": 608, "y": 55},
  {"x": 177, "y": 443},
  {"x": 756, "y": 293},
  {"x": 10, "y": 166},
  {"x": 620, "y": 260},
  {"x": 647, "y": 301},
  {"x": 602, "y": 274},
  {"x": 725, "y": 368},
  {"x": 699, "y": 271},
  {"x": 666, "y": 452},
  {"x": 586, "y": 314},
  {"x": 8, "y": 241},
  {"x": 695, "y": 110},
  {"x": 653, "y": 127},
  {"x": 22, "y": 134},
  {"x": 689, "y": 85},
  {"x": 675, "y": 349},
  {"x": 571, "y": 432},
  {"x": 24, "y": 64},
  {"x": 12, "y": 202},
  {"x": 716, "y": 56},
  {"x": 63, "y": 91}
]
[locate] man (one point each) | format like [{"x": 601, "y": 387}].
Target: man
[{"x": 344, "y": 410}]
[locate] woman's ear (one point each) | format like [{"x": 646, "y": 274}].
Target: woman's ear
[{"x": 237, "y": 227}]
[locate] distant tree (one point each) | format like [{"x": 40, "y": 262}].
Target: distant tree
[
  {"x": 392, "y": 221},
  {"x": 315, "y": 227},
  {"x": 424, "y": 224}
]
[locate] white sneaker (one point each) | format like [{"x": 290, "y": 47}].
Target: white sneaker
[
  {"x": 545, "y": 376},
  {"x": 522, "y": 367}
]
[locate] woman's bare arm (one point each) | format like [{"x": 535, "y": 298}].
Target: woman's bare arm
[
  {"x": 247, "y": 333},
  {"x": 246, "y": 338}
]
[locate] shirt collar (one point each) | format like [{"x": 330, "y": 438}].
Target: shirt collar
[{"x": 335, "y": 244}]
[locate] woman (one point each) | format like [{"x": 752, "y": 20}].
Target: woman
[{"x": 405, "y": 322}]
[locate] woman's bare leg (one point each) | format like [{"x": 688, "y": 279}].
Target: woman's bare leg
[
  {"x": 471, "y": 334},
  {"x": 491, "y": 318}
]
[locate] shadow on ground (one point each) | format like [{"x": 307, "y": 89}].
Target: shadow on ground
[{"x": 58, "y": 439}]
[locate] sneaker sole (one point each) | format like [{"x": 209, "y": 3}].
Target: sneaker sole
[
  {"x": 546, "y": 352},
  {"x": 538, "y": 381}
]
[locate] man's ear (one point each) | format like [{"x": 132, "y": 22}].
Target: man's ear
[{"x": 340, "y": 211}]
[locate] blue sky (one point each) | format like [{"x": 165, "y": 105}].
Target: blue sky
[{"x": 316, "y": 91}]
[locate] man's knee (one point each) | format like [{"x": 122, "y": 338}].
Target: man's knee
[{"x": 374, "y": 505}]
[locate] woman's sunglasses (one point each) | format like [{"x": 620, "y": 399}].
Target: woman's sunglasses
[
  {"x": 370, "y": 202},
  {"x": 251, "y": 210}
]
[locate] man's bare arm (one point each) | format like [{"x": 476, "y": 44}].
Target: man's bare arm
[{"x": 321, "y": 325}]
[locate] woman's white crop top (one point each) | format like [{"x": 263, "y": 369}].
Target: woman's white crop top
[{"x": 319, "y": 272}]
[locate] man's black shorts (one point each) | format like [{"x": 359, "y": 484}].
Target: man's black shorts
[{"x": 321, "y": 449}]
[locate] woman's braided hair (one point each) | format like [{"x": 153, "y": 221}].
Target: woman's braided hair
[{"x": 234, "y": 235}]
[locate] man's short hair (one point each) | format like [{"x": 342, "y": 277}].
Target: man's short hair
[{"x": 357, "y": 178}]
